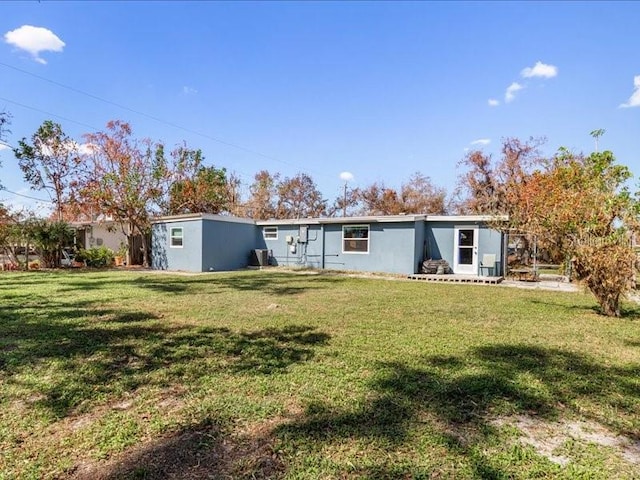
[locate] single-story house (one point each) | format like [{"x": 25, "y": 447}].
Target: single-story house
[
  {"x": 391, "y": 244},
  {"x": 106, "y": 233}
]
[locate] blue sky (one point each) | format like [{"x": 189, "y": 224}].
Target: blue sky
[{"x": 380, "y": 89}]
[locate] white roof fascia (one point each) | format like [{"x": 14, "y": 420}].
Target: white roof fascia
[
  {"x": 202, "y": 216},
  {"x": 367, "y": 219},
  {"x": 467, "y": 218}
]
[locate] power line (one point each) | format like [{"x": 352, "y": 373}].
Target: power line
[
  {"x": 151, "y": 117},
  {"x": 49, "y": 113},
  {"x": 25, "y": 196}
]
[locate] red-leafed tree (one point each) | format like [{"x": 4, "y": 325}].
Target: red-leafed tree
[
  {"x": 299, "y": 197},
  {"x": 193, "y": 187},
  {"x": 416, "y": 196},
  {"x": 578, "y": 207},
  {"x": 263, "y": 194},
  {"x": 125, "y": 177}
]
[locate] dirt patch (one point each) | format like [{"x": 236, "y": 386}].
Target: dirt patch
[{"x": 547, "y": 437}]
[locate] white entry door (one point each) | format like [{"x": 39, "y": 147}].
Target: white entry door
[{"x": 465, "y": 254}]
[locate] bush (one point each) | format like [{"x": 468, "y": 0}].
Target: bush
[
  {"x": 95, "y": 257},
  {"x": 608, "y": 270}
]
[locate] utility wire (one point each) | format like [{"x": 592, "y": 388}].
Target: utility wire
[
  {"x": 35, "y": 109},
  {"x": 49, "y": 113},
  {"x": 25, "y": 196},
  {"x": 151, "y": 117}
]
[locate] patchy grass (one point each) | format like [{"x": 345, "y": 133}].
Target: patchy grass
[{"x": 122, "y": 375}]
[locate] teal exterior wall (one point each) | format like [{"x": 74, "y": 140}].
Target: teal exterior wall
[
  {"x": 307, "y": 254},
  {"x": 208, "y": 245},
  {"x": 188, "y": 258},
  {"x": 420, "y": 245},
  {"x": 226, "y": 245},
  {"x": 391, "y": 249},
  {"x": 440, "y": 238},
  {"x": 393, "y": 246}
]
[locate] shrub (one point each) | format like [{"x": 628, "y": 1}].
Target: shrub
[
  {"x": 608, "y": 270},
  {"x": 96, "y": 256}
]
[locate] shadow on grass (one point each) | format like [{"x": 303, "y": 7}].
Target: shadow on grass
[
  {"x": 627, "y": 311},
  {"x": 457, "y": 397},
  {"x": 198, "y": 451},
  {"x": 65, "y": 354},
  {"x": 272, "y": 283}
]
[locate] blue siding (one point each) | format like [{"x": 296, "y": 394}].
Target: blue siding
[
  {"x": 440, "y": 238},
  {"x": 306, "y": 254},
  {"x": 391, "y": 249},
  {"x": 490, "y": 241},
  {"x": 394, "y": 247},
  {"x": 226, "y": 245},
  {"x": 187, "y": 258},
  {"x": 420, "y": 245}
]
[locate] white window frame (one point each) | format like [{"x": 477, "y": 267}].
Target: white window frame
[
  {"x": 368, "y": 239},
  {"x": 172, "y": 237},
  {"x": 268, "y": 236}
]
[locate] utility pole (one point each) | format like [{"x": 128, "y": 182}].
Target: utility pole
[
  {"x": 345, "y": 176},
  {"x": 597, "y": 134},
  {"x": 344, "y": 204}
]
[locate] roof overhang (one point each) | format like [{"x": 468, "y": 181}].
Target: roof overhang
[
  {"x": 201, "y": 216},
  {"x": 333, "y": 220}
]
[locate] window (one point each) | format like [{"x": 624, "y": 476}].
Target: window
[
  {"x": 176, "y": 237},
  {"x": 270, "y": 233},
  {"x": 355, "y": 239}
]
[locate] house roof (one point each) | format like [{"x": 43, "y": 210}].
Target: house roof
[
  {"x": 204, "y": 216},
  {"x": 333, "y": 220}
]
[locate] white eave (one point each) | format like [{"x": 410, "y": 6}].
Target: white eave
[
  {"x": 202, "y": 216},
  {"x": 367, "y": 219},
  {"x": 386, "y": 219},
  {"x": 467, "y": 218},
  {"x": 332, "y": 220}
]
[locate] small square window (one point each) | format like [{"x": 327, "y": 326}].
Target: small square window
[
  {"x": 355, "y": 239},
  {"x": 176, "y": 237},
  {"x": 270, "y": 233}
]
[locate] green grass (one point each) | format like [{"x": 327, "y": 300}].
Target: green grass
[{"x": 277, "y": 375}]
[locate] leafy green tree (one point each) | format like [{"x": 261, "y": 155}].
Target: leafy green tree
[
  {"x": 49, "y": 238},
  {"x": 50, "y": 162}
]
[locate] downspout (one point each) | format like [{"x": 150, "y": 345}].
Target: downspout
[{"x": 322, "y": 233}]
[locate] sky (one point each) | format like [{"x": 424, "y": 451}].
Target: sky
[{"x": 377, "y": 89}]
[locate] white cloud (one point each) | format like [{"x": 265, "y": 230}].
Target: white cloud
[
  {"x": 540, "y": 70},
  {"x": 34, "y": 40},
  {"x": 481, "y": 141},
  {"x": 493, "y": 102},
  {"x": 346, "y": 176},
  {"x": 510, "y": 94},
  {"x": 189, "y": 90},
  {"x": 634, "y": 100},
  {"x": 4, "y": 146},
  {"x": 26, "y": 200},
  {"x": 86, "y": 148}
]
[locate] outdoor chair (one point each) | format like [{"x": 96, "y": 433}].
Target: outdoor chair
[{"x": 488, "y": 262}]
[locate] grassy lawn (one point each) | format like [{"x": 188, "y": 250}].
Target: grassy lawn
[{"x": 276, "y": 375}]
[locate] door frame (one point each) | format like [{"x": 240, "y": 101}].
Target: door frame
[{"x": 465, "y": 269}]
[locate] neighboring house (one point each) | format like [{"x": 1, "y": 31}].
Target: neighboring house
[
  {"x": 105, "y": 233},
  {"x": 391, "y": 244}
]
